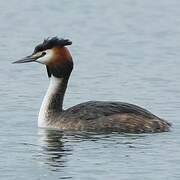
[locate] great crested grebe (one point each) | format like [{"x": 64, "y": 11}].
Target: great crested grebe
[{"x": 97, "y": 116}]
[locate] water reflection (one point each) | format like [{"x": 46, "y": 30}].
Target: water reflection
[
  {"x": 53, "y": 150},
  {"x": 64, "y": 152}
]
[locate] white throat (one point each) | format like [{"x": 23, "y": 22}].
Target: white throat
[{"x": 45, "y": 113}]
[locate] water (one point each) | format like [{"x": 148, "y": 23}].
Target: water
[{"x": 126, "y": 50}]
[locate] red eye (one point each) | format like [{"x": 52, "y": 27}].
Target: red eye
[{"x": 43, "y": 54}]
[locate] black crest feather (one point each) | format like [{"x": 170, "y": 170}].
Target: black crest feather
[{"x": 52, "y": 42}]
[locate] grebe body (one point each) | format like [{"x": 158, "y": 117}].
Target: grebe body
[{"x": 95, "y": 116}]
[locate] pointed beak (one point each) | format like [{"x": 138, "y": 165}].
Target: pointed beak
[
  {"x": 31, "y": 58},
  {"x": 25, "y": 60}
]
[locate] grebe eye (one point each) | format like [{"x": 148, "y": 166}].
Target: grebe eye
[{"x": 43, "y": 54}]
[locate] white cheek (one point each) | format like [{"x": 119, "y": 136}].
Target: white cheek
[{"x": 47, "y": 58}]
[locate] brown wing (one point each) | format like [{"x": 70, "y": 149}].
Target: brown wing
[{"x": 95, "y": 109}]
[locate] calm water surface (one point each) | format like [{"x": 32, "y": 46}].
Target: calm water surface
[{"x": 125, "y": 50}]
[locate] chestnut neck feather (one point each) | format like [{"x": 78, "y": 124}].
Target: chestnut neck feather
[
  {"x": 62, "y": 70},
  {"x": 62, "y": 64}
]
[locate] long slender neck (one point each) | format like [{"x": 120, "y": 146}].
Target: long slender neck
[
  {"x": 53, "y": 101},
  {"x": 59, "y": 69}
]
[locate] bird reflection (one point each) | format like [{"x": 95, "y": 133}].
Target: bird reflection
[
  {"x": 53, "y": 149},
  {"x": 56, "y": 147}
]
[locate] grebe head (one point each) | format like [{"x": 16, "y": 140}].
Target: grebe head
[{"x": 52, "y": 53}]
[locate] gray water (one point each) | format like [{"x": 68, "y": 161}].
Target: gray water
[{"x": 124, "y": 50}]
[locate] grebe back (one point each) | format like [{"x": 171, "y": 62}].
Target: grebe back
[{"x": 98, "y": 116}]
